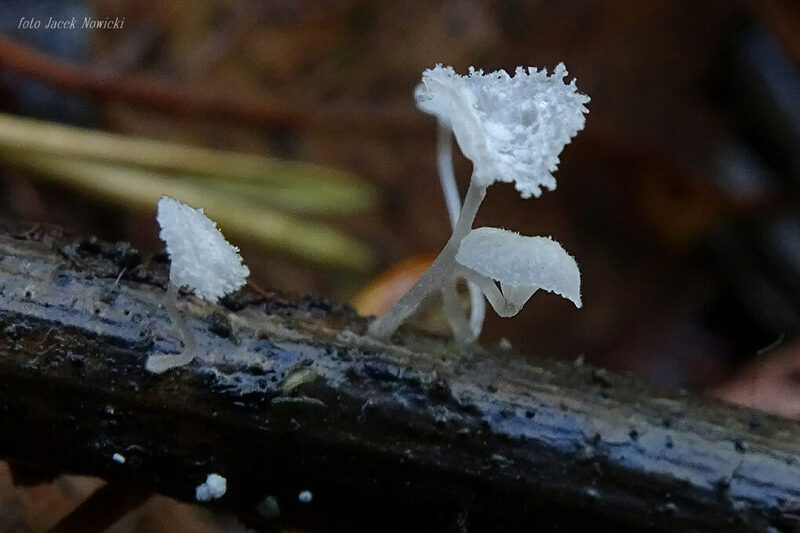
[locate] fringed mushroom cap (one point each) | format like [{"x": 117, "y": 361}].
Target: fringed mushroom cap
[
  {"x": 201, "y": 257},
  {"x": 512, "y": 127}
]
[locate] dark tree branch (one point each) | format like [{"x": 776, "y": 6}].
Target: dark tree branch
[{"x": 417, "y": 434}]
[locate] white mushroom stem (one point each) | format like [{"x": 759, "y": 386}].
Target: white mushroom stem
[
  {"x": 444, "y": 164},
  {"x": 159, "y": 363},
  {"x": 477, "y": 309},
  {"x": 499, "y": 303},
  {"x": 455, "y": 316},
  {"x": 438, "y": 273}
]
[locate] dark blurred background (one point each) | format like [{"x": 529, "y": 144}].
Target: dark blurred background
[{"x": 679, "y": 200}]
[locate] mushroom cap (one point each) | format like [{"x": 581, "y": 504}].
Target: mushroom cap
[
  {"x": 521, "y": 264},
  {"x": 512, "y": 127},
  {"x": 201, "y": 257}
]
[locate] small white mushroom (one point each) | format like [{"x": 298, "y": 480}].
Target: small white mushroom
[
  {"x": 522, "y": 265},
  {"x": 202, "y": 260},
  {"x": 201, "y": 257}
]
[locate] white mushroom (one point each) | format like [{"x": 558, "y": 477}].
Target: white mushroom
[
  {"x": 522, "y": 265},
  {"x": 201, "y": 257},
  {"x": 202, "y": 260},
  {"x": 513, "y": 128}
]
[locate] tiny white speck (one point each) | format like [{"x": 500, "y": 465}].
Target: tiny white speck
[
  {"x": 118, "y": 458},
  {"x": 213, "y": 488},
  {"x": 305, "y": 496}
]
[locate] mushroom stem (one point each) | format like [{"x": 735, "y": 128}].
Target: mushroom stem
[
  {"x": 439, "y": 271},
  {"x": 499, "y": 303},
  {"x": 477, "y": 309},
  {"x": 447, "y": 178},
  {"x": 455, "y": 315},
  {"x": 159, "y": 363},
  {"x": 475, "y": 195}
]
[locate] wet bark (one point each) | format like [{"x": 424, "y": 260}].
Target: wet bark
[{"x": 415, "y": 433}]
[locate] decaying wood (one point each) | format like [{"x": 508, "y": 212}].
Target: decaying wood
[{"x": 418, "y": 434}]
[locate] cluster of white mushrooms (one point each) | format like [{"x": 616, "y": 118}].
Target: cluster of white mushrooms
[{"x": 512, "y": 128}]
